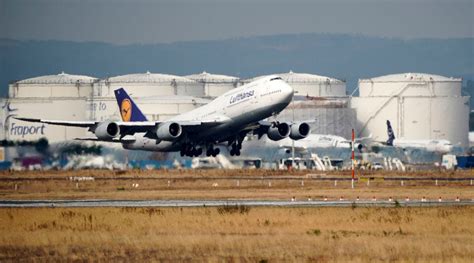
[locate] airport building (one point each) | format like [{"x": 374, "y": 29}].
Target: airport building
[
  {"x": 419, "y": 107},
  {"x": 215, "y": 85}
]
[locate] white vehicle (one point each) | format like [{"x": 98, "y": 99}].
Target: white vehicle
[
  {"x": 227, "y": 119},
  {"x": 377, "y": 166},
  {"x": 449, "y": 162}
]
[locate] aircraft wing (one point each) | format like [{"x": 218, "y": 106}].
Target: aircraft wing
[
  {"x": 363, "y": 140},
  {"x": 127, "y": 138},
  {"x": 83, "y": 124},
  {"x": 132, "y": 127},
  {"x": 126, "y": 127}
]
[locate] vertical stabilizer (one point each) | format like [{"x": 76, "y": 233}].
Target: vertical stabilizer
[{"x": 129, "y": 111}]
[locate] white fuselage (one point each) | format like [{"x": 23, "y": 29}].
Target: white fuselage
[
  {"x": 441, "y": 146},
  {"x": 317, "y": 141},
  {"x": 234, "y": 110}
]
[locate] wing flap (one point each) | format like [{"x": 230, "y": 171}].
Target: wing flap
[{"x": 127, "y": 138}]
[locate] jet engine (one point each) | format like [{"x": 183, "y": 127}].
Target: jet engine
[
  {"x": 299, "y": 130},
  {"x": 279, "y": 131},
  {"x": 168, "y": 131},
  {"x": 107, "y": 130}
]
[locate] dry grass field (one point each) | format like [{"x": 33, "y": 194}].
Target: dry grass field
[{"x": 238, "y": 234}]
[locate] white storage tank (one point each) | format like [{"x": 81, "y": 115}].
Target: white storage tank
[
  {"x": 149, "y": 84},
  {"x": 313, "y": 85},
  {"x": 60, "y": 86},
  {"x": 419, "y": 106},
  {"x": 73, "y": 109},
  {"x": 214, "y": 84},
  {"x": 328, "y": 116}
]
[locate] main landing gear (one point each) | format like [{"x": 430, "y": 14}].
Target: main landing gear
[
  {"x": 235, "y": 149},
  {"x": 192, "y": 151},
  {"x": 211, "y": 151}
]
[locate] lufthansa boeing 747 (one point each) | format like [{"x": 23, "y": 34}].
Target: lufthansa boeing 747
[{"x": 225, "y": 120}]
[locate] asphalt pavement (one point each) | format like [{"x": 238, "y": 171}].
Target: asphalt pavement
[{"x": 217, "y": 203}]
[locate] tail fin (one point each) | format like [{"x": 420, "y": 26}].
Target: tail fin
[
  {"x": 128, "y": 109},
  {"x": 391, "y": 135}
]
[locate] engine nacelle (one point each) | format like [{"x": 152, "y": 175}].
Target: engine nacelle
[
  {"x": 299, "y": 130},
  {"x": 169, "y": 131},
  {"x": 281, "y": 131},
  {"x": 107, "y": 130}
]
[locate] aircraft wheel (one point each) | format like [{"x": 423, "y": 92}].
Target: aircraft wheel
[
  {"x": 237, "y": 153},
  {"x": 198, "y": 152},
  {"x": 191, "y": 152},
  {"x": 216, "y": 152},
  {"x": 232, "y": 152}
]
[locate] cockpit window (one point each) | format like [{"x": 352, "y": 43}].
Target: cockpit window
[{"x": 275, "y": 78}]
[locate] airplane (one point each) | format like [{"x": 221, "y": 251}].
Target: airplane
[
  {"x": 319, "y": 141},
  {"x": 225, "y": 120},
  {"x": 440, "y": 146},
  {"x": 314, "y": 141}
]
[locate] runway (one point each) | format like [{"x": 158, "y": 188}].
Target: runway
[{"x": 217, "y": 203}]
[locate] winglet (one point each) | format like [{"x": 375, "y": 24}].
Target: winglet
[
  {"x": 129, "y": 111},
  {"x": 27, "y": 119},
  {"x": 390, "y": 134}
]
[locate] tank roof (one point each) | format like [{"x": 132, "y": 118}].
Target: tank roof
[
  {"x": 212, "y": 78},
  {"x": 303, "y": 77},
  {"x": 147, "y": 77},
  {"x": 61, "y": 78},
  {"x": 404, "y": 77}
]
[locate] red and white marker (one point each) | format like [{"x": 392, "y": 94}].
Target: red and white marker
[{"x": 353, "y": 158}]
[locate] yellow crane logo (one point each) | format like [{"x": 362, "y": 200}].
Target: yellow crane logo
[{"x": 126, "y": 110}]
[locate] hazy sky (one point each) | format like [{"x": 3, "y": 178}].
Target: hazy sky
[{"x": 141, "y": 21}]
